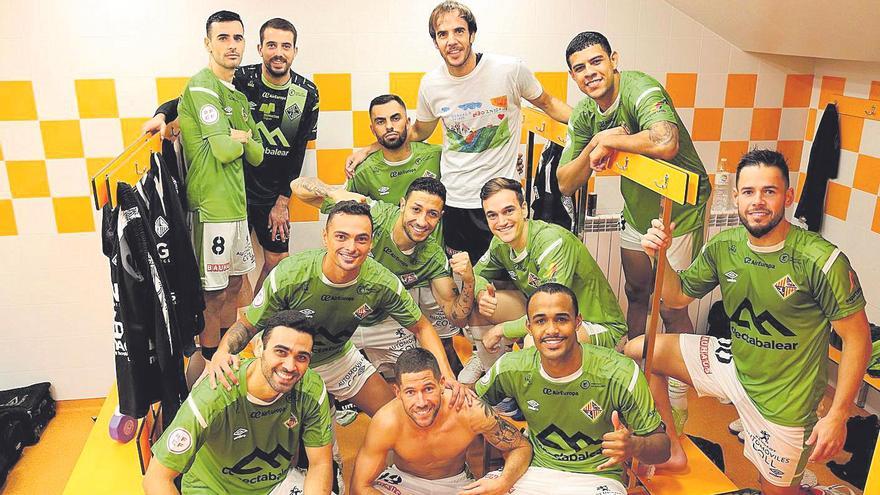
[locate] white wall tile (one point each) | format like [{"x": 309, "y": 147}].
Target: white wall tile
[
  {"x": 334, "y": 130},
  {"x": 861, "y": 209},
  {"x": 847, "y": 168},
  {"x": 34, "y": 216},
  {"x": 608, "y": 194},
  {"x": 870, "y": 144},
  {"x": 771, "y": 87},
  {"x": 684, "y": 54},
  {"x": 711, "y": 90},
  {"x": 655, "y": 18},
  {"x": 367, "y": 85},
  {"x": 708, "y": 152},
  {"x": 737, "y": 124},
  {"x": 621, "y": 19},
  {"x": 310, "y": 164},
  {"x": 652, "y": 53},
  {"x": 767, "y": 145},
  {"x": 857, "y": 88},
  {"x": 136, "y": 96},
  {"x": 101, "y": 137},
  {"x": 687, "y": 117},
  {"x": 743, "y": 62},
  {"x": 68, "y": 177},
  {"x": 22, "y": 140},
  {"x": 792, "y": 124},
  {"x": 714, "y": 54},
  {"x": 626, "y": 49},
  {"x": 56, "y": 98},
  {"x": 306, "y": 235},
  {"x": 5, "y": 193},
  {"x": 683, "y": 25},
  {"x": 589, "y": 15}
]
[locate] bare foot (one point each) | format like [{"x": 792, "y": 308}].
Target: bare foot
[{"x": 677, "y": 460}]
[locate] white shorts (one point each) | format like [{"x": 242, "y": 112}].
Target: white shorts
[
  {"x": 433, "y": 312},
  {"x": 293, "y": 484},
  {"x": 778, "y": 452},
  {"x": 541, "y": 481},
  {"x": 384, "y": 342},
  {"x": 396, "y": 482},
  {"x": 345, "y": 375},
  {"x": 222, "y": 250},
  {"x": 680, "y": 252}
]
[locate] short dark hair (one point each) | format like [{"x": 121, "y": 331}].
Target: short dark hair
[
  {"x": 289, "y": 318},
  {"x": 383, "y": 99},
  {"x": 499, "y": 184},
  {"x": 428, "y": 185},
  {"x": 584, "y": 40},
  {"x": 350, "y": 207},
  {"x": 278, "y": 23},
  {"x": 415, "y": 360},
  {"x": 463, "y": 11},
  {"x": 767, "y": 158},
  {"x": 554, "y": 288},
  {"x": 221, "y": 16}
]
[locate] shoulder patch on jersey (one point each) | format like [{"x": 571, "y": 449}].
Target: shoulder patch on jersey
[
  {"x": 209, "y": 114},
  {"x": 179, "y": 441},
  {"x": 785, "y": 286}
]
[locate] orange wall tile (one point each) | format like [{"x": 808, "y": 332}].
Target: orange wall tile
[
  {"x": 17, "y": 100},
  {"x": 168, "y": 88},
  {"x": 802, "y": 177},
  {"x": 131, "y": 129},
  {"x": 360, "y": 125},
  {"x": 733, "y": 151},
  {"x": 301, "y": 212},
  {"x": 61, "y": 138},
  {"x": 7, "y": 218},
  {"x": 810, "y": 131},
  {"x": 436, "y": 137},
  {"x": 554, "y": 83},
  {"x": 682, "y": 87},
  {"x": 875, "y": 225},
  {"x": 707, "y": 124},
  {"x": 867, "y": 176},
  {"x": 851, "y": 132},
  {"x": 875, "y": 90},
  {"x": 404, "y": 85},
  {"x": 334, "y": 91},
  {"x": 765, "y": 124},
  {"x": 74, "y": 214},
  {"x": 837, "y": 200},
  {"x": 741, "y": 90},
  {"x": 96, "y": 98},
  {"x": 798, "y": 90},
  {"x": 830, "y": 86},
  {"x": 28, "y": 179},
  {"x": 792, "y": 151},
  {"x": 331, "y": 165}
]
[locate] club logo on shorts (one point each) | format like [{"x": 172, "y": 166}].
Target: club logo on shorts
[
  {"x": 161, "y": 227},
  {"x": 179, "y": 441},
  {"x": 533, "y": 405},
  {"x": 785, "y": 286},
  {"x": 534, "y": 281},
  {"x": 363, "y": 311},
  {"x": 592, "y": 410},
  {"x": 209, "y": 114},
  {"x": 731, "y": 276},
  {"x": 291, "y": 422},
  {"x": 239, "y": 433},
  {"x": 408, "y": 278}
]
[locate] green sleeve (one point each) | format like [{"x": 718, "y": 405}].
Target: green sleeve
[
  {"x": 267, "y": 302},
  {"x": 701, "y": 277},
  {"x": 635, "y": 404},
  {"x": 492, "y": 387},
  {"x": 488, "y": 268},
  {"x": 439, "y": 263},
  {"x": 224, "y": 148},
  {"x": 577, "y": 138},
  {"x": 176, "y": 448},
  {"x": 654, "y": 107},
  {"x": 515, "y": 329},
  {"x": 317, "y": 431},
  {"x": 205, "y": 110},
  {"x": 253, "y": 150},
  {"x": 837, "y": 290},
  {"x": 401, "y": 306}
]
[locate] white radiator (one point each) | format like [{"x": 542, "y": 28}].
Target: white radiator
[{"x": 601, "y": 235}]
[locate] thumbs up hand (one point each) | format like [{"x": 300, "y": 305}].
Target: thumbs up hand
[
  {"x": 487, "y": 302},
  {"x": 620, "y": 444}
]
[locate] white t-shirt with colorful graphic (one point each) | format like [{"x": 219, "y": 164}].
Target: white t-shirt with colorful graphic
[{"x": 481, "y": 118}]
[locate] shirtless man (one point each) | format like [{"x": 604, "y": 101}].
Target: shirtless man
[{"x": 430, "y": 441}]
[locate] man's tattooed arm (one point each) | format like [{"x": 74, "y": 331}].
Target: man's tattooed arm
[{"x": 663, "y": 133}]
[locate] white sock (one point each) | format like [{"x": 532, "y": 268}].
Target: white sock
[
  {"x": 487, "y": 359},
  {"x": 678, "y": 394}
]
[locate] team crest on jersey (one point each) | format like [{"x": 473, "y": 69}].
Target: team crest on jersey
[
  {"x": 408, "y": 278},
  {"x": 430, "y": 174},
  {"x": 533, "y": 405},
  {"x": 363, "y": 311},
  {"x": 161, "y": 227},
  {"x": 239, "y": 433},
  {"x": 534, "y": 281},
  {"x": 179, "y": 441},
  {"x": 731, "y": 276},
  {"x": 209, "y": 114},
  {"x": 383, "y": 190},
  {"x": 291, "y": 422},
  {"x": 293, "y": 112},
  {"x": 592, "y": 410},
  {"x": 785, "y": 286}
]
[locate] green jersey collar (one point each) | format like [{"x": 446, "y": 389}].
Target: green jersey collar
[{"x": 271, "y": 85}]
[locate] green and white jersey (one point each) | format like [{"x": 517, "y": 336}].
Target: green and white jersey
[
  {"x": 568, "y": 416},
  {"x": 337, "y": 310},
  {"x": 211, "y": 107},
  {"x": 781, "y": 301},
  {"x": 641, "y": 102},
  {"x": 388, "y": 181},
  {"x": 231, "y": 442},
  {"x": 553, "y": 254}
]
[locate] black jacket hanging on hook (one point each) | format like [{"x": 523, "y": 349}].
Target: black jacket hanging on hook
[{"x": 823, "y": 165}]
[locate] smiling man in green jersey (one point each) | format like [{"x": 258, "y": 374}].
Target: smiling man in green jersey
[
  {"x": 630, "y": 111},
  {"x": 244, "y": 440},
  {"x": 404, "y": 242},
  {"x": 340, "y": 287},
  {"x": 784, "y": 290},
  {"x": 386, "y": 173},
  {"x": 588, "y": 408},
  {"x": 531, "y": 253},
  {"x": 218, "y": 135}
]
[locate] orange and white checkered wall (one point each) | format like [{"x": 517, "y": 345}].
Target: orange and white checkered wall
[{"x": 78, "y": 79}]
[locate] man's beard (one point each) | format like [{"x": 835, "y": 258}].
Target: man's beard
[
  {"x": 393, "y": 145},
  {"x": 273, "y": 72},
  {"x": 761, "y": 231}
]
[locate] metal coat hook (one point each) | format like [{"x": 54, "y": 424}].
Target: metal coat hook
[
  {"x": 625, "y": 164},
  {"x": 665, "y": 182},
  {"x": 138, "y": 170},
  {"x": 872, "y": 111}
]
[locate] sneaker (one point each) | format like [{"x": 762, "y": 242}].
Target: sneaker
[
  {"x": 680, "y": 417},
  {"x": 725, "y": 401},
  {"x": 735, "y": 427},
  {"x": 472, "y": 371},
  {"x": 346, "y": 413},
  {"x": 507, "y": 407},
  {"x": 829, "y": 490},
  {"x": 809, "y": 479},
  {"x": 741, "y": 436}
]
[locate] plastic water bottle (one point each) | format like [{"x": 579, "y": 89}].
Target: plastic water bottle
[{"x": 723, "y": 190}]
